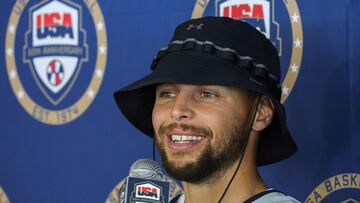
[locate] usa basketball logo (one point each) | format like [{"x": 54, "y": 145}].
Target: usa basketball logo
[
  {"x": 267, "y": 17},
  {"x": 52, "y": 47}
]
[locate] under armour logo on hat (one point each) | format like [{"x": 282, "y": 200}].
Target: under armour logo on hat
[{"x": 198, "y": 27}]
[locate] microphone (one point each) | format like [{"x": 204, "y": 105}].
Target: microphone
[{"x": 146, "y": 183}]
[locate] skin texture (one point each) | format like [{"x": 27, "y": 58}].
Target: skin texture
[{"x": 218, "y": 119}]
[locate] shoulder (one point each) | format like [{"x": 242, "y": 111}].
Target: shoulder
[
  {"x": 268, "y": 196},
  {"x": 272, "y": 196},
  {"x": 178, "y": 199}
]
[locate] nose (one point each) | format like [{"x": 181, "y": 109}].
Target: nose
[{"x": 182, "y": 109}]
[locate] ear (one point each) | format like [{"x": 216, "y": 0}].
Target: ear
[{"x": 264, "y": 114}]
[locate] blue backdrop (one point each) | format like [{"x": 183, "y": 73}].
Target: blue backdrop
[{"x": 62, "y": 138}]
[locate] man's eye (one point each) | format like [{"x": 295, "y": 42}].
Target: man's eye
[
  {"x": 167, "y": 94},
  {"x": 207, "y": 94}
]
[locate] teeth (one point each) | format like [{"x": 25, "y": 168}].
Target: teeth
[{"x": 184, "y": 138}]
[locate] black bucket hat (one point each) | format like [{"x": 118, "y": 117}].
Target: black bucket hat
[{"x": 215, "y": 51}]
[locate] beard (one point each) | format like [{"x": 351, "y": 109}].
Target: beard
[{"x": 214, "y": 160}]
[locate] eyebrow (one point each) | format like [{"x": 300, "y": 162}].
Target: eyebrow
[{"x": 162, "y": 85}]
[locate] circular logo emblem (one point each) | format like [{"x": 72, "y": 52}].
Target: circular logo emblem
[
  {"x": 344, "y": 188},
  {"x": 54, "y": 67},
  {"x": 266, "y": 16}
]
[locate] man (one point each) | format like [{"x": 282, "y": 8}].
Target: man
[{"x": 212, "y": 104}]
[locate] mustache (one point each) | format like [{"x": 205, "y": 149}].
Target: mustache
[{"x": 164, "y": 130}]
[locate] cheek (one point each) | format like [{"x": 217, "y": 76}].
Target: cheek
[
  {"x": 159, "y": 116},
  {"x": 222, "y": 122}
]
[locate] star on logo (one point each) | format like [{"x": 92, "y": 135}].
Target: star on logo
[
  {"x": 12, "y": 74},
  {"x": 295, "y": 18},
  {"x": 285, "y": 90},
  {"x": 99, "y": 72},
  {"x": 102, "y": 49},
  {"x": 20, "y": 94},
  {"x": 294, "y": 68},
  {"x": 91, "y": 93},
  {"x": 100, "y": 26},
  {"x": 297, "y": 43},
  {"x": 9, "y": 51},
  {"x": 11, "y": 28}
]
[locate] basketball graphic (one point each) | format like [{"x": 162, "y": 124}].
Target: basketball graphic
[{"x": 55, "y": 72}]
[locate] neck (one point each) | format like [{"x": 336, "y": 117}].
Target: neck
[{"x": 246, "y": 184}]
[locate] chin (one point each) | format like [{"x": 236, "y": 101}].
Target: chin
[{"x": 182, "y": 158}]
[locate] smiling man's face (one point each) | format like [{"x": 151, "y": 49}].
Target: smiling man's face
[{"x": 200, "y": 129}]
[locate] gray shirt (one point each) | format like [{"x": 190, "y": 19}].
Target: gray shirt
[{"x": 268, "y": 196}]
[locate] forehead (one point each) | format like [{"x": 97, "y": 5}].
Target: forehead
[
  {"x": 178, "y": 85},
  {"x": 222, "y": 88}
]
